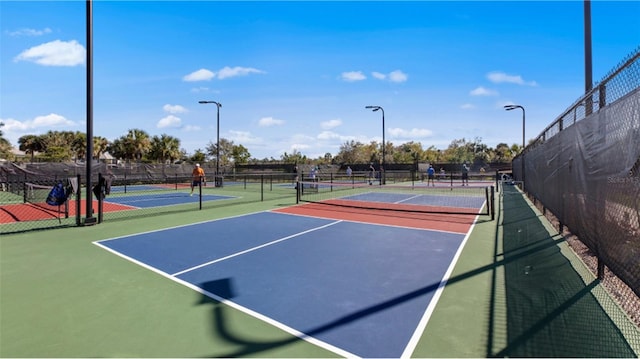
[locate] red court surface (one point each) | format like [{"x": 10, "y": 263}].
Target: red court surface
[
  {"x": 457, "y": 223},
  {"x": 23, "y": 212}
]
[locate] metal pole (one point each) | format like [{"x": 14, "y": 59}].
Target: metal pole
[
  {"x": 588, "y": 74},
  {"x": 513, "y": 107},
  {"x": 217, "y": 144},
  {"x": 523, "y": 146},
  {"x": 588, "y": 68},
  {"x": 89, "y": 220},
  {"x": 218, "y": 105},
  {"x": 383, "y": 170}
]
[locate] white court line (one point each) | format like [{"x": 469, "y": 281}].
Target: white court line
[
  {"x": 230, "y": 303},
  {"x": 417, "y": 334},
  {"x": 408, "y": 199},
  {"x": 253, "y": 249},
  {"x": 268, "y": 320}
]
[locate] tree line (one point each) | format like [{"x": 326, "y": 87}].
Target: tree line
[{"x": 137, "y": 145}]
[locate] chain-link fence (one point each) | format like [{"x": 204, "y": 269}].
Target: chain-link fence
[
  {"x": 125, "y": 192},
  {"x": 585, "y": 169},
  {"x": 31, "y": 201}
]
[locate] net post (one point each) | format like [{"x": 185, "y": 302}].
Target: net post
[
  {"x": 200, "y": 193},
  {"x": 78, "y": 202},
  {"x": 297, "y": 191},
  {"x": 331, "y": 181},
  {"x": 413, "y": 175},
  {"x": 486, "y": 198},
  {"x": 66, "y": 208},
  {"x": 262, "y": 188},
  {"x": 493, "y": 207},
  {"x": 100, "y": 196}
]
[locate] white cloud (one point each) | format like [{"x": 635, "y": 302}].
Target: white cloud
[
  {"x": 378, "y": 75},
  {"x": 46, "y": 122},
  {"x": 243, "y": 137},
  {"x": 501, "y": 77},
  {"x": 299, "y": 147},
  {"x": 467, "y": 106},
  {"x": 328, "y": 135},
  {"x": 270, "y": 121},
  {"x": 410, "y": 134},
  {"x": 394, "y": 76},
  {"x": 227, "y": 71},
  {"x": 200, "y": 75},
  {"x": 327, "y": 125},
  {"x": 352, "y": 76},
  {"x": 398, "y": 76},
  {"x": 55, "y": 53},
  {"x": 174, "y": 109},
  {"x": 29, "y": 32},
  {"x": 481, "y": 91},
  {"x": 169, "y": 121}
]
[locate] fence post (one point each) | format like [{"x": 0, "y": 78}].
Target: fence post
[{"x": 78, "y": 201}]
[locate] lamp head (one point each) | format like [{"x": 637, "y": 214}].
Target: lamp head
[
  {"x": 216, "y": 103},
  {"x": 513, "y": 107}
]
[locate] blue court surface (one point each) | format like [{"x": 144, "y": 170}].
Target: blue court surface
[
  {"x": 139, "y": 187},
  {"x": 356, "y": 289},
  {"x": 162, "y": 199}
]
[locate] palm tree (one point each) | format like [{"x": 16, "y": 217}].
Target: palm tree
[
  {"x": 164, "y": 147},
  {"x": 137, "y": 143},
  {"x": 31, "y": 144},
  {"x": 58, "y": 145},
  {"x": 118, "y": 149},
  {"x": 79, "y": 145},
  {"x": 100, "y": 145}
]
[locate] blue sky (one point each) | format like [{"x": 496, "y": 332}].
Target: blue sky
[{"x": 297, "y": 75}]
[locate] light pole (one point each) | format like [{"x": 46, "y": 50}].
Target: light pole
[
  {"x": 218, "y": 105},
  {"x": 382, "y": 169},
  {"x": 513, "y": 107}
]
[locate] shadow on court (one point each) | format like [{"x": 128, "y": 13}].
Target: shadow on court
[{"x": 551, "y": 312}]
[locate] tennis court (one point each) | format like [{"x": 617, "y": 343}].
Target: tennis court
[
  {"x": 351, "y": 287},
  {"x": 135, "y": 197},
  {"x": 309, "y": 279},
  {"x": 149, "y": 200}
]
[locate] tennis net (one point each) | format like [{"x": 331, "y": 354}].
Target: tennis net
[
  {"x": 405, "y": 198},
  {"x": 36, "y": 195}
]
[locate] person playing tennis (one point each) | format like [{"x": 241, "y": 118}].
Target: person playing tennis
[
  {"x": 197, "y": 177},
  {"x": 431, "y": 175},
  {"x": 465, "y": 173}
]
